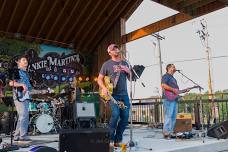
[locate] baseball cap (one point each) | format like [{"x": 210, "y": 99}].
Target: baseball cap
[{"x": 111, "y": 47}]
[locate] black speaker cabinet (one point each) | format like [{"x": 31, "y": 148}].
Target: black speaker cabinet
[
  {"x": 219, "y": 130},
  {"x": 84, "y": 140}
]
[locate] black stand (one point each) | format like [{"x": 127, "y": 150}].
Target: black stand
[
  {"x": 203, "y": 133},
  {"x": 9, "y": 103},
  {"x": 133, "y": 74}
]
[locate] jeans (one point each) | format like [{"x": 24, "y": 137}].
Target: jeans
[
  {"x": 119, "y": 118},
  {"x": 23, "y": 119},
  {"x": 170, "y": 113}
]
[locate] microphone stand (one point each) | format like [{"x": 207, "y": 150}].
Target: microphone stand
[
  {"x": 203, "y": 133},
  {"x": 131, "y": 142}
]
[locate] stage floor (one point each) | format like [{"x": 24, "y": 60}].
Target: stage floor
[{"x": 146, "y": 138}]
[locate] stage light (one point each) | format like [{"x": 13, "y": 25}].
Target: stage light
[
  {"x": 80, "y": 78},
  {"x": 87, "y": 79}
]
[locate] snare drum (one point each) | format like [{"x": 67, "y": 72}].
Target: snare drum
[{"x": 32, "y": 106}]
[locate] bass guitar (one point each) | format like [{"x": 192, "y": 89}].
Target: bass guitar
[
  {"x": 173, "y": 96},
  {"x": 109, "y": 86}
]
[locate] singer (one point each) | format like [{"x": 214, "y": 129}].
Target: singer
[
  {"x": 170, "y": 93},
  {"x": 118, "y": 71}
]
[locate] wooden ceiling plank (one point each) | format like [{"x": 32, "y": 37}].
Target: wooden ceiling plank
[
  {"x": 169, "y": 22},
  {"x": 76, "y": 21},
  {"x": 36, "y": 17},
  {"x": 83, "y": 37},
  {"x": 2, "y": 8},
  {"x": 13, "y": 15},
  {"x": 189, "y": 9},
  {"x": 67, "y": 20},
  {"x": 82, "y": 26},
  {"x": 97, "y": 37},
  {"x": 46, "y": 19},
  {"x": 24, "y": 16},
  {"x": 58, "y": 17}
]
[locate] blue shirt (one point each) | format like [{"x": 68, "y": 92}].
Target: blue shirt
[{"x": 169, "y": 80}]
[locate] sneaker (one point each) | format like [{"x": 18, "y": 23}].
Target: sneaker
[{"x": 118, "y": 144}]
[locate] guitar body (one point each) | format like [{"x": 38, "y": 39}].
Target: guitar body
[
  {"x": 172, "y": 96},
  {"x": 109, "y": 86},
  {"x": 21, "y": 96}
]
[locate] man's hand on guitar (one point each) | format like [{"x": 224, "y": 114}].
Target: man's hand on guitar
[
  {"x": 24, "y": 88},
  {"x": 175, "y": 91},
  {"x": 125, "y": 68}
]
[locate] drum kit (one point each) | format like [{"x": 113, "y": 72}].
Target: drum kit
[{"x": 45, "y": 115}]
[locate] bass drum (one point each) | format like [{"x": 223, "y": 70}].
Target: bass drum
[
  {"x": 42, "y": 149},
  {"x": 43, "y": 122}
]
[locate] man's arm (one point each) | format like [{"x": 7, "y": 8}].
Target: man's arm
[
  {"x": 13, "y": 83},
  {"x": 167, "y": 87}
]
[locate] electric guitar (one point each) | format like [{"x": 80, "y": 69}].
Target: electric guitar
[
  {"x": 22, "y": 96},
  {"x": 109, "y": 86},
  {"x": 172, "y": 96}
]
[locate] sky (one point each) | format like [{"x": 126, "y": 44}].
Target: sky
[{"x": 181, "y": 43}]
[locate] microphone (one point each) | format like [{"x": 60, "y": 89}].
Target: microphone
[{"x": 178, "y": 70}]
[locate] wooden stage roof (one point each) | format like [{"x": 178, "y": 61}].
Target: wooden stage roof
[{"x": 81, "y": 24}]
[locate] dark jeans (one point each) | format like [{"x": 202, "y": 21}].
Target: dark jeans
[{"x": 119, "y": 118}]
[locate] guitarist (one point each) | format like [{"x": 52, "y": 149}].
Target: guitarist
[
  {"x": 169, "y": 84},
  {"x": 118, "y": 71},
  {"x": 21, "y": 85}
]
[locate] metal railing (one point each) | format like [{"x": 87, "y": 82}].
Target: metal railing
[{"x": 150, "y": 110}]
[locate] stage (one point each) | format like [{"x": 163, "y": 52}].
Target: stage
[{"x": 146, "y": 138}]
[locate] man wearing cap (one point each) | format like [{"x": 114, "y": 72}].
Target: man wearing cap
[{"x": 118, "y": 71}]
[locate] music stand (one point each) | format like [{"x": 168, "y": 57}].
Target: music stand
[{"x": 8, "y": 101}]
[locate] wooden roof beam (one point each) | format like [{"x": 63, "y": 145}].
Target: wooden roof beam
[
  {"x": 58, "y": 17},
  {"x": 46, "y": 19},
  {"x": 68, "y": 19},
  {"x": 36, "y": 17},
  {"x": 85, "y": 21},
  {"x": 169, "y": 22},
  {"x": 13, "y": 15},
  {"x": 25, "y": 15},
  {"x": 101, "y": 22},
  {"x": 77, "y": 20},
  {"x": 91, "y": 26},
  {"x": 114, "y": 17}
]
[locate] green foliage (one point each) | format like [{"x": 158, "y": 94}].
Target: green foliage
[{"x": 12, "y": 47}]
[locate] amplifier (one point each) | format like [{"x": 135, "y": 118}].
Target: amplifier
[
  {"x": 85, "y": 109},
  {"x": 183, "y": 122}
]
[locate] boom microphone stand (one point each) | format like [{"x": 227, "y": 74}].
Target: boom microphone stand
[
  {"x": 131, "y": 142},
  {"x": 203, "y": 133}
]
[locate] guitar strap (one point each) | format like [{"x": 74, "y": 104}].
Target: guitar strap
[{"x": 117, "y": 77}]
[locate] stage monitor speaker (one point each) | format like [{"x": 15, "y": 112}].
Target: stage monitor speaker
[
  {"x": 219, "y": 131},
  {"x": 183, "y": 122},
  {"x": 84, "y": 140}
]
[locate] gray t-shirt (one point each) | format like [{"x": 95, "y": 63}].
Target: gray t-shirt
[{"x": 109, "y": 69}]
